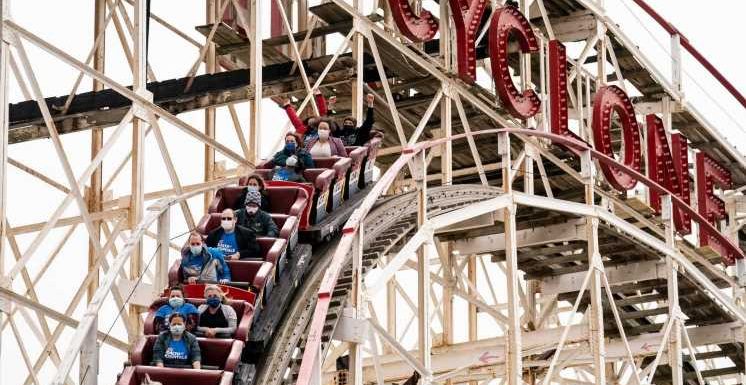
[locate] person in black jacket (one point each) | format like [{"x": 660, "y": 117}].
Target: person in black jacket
[
  {"x": 352, "y": 136},
  {"x": 236, "y": 242},
  {"x": 255, "y": 219}
]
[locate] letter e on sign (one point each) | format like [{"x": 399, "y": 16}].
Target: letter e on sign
[{"x": 709, "y": 175}]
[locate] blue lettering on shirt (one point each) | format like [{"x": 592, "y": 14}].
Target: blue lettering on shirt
[
  {"x": 228, "y": 244},
  {"x": 309, "y": 136},
  {"x": 176, "y": 353},
  {"x": 281, "y": 174}
]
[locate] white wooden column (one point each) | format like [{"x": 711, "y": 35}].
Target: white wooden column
[
  {"x": 4, "y": 53},
  {"x": 137, "y": 200},
  {"x": 676, "y": 78},
  {"x": 513, "y": 365},
  {"x": 356, "y": 348},
  {"x": 596, "y": 319},
  {"x": 164, "y": 247},
  {"x": 211, "y": 16},
  {"x": 446, "y": 113},
  {"x": 423, "y": 272},
  {"x": 256, "y": 63},
  {"x": 672, "y": 284}
]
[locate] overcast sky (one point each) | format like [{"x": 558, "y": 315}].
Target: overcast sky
[{"x": 716, "y": 27}]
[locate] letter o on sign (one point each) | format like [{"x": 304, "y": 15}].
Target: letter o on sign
[{"x": 610, "y": 99}]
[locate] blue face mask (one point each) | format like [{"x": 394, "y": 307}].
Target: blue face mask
[
  {"x": 213, "y": 302},
  {"x": 176, "y": 302},
  {"x": 290, "y": 147}
]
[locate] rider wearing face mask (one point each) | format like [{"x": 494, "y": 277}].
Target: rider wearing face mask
[
  {"x": 255, "y": 219},
  {"x": 307, "y": 128},
  {"x": 176, "y": 304},
  {"x": 217, "y": 319},
  {"x": 236, "y": 242},
  {"x": 358, "y": 136},
  {"x": 326, "y": 145},
  {"x": 254, "y": 182},
  {"x": 290, "y": 172},
  {"x": 176, "y": 347},
  {"x": 292, "y": 149},
  {"x": 202, "y": 263}
]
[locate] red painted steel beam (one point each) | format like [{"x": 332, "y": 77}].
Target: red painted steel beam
[{"x": 693, "y": 51}]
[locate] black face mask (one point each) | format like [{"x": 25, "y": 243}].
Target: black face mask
[{"x": 347, "y": 126}]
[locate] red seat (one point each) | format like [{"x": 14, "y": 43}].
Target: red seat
[
  {"x": 288, "y": 226},
  {"x": 320, "y": 180},
  {"x": 197, "y": 291},
  {"x": 271, "y": 251},
  {"x": 244, "y": 312},
  {"x": 340, "y": 167},
  {"x": 288, "y": 200},
  {"x": 357, "y": 154},
  {"x": 135, "y": 375},
  {"x": 259, "y": 274},
  {"x": 373, "y": 146},
  {"x": 221, "y": 353},
  {"x": 226, "y": 198},
  {"x": 255, "y": 273}
]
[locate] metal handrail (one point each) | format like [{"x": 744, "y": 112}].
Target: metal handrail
[{"x": 673, "y": 31}]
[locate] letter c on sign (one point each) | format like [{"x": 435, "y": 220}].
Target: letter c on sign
[
  {"x": 504, "y": 21},
  {"x": 610, "y": 99}
]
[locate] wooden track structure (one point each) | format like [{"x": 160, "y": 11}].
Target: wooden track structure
[{"x": 558, "y": 226}]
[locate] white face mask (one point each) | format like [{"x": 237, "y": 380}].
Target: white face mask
[
  {"x": 323, "y": 134},
  {"x": 226, "y": 225},
  {"x": 196, "y": 250},
  {"x": 177, "y": 329},
  {"x": 253, "y": 188}
]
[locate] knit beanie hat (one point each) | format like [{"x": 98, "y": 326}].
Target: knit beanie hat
[{"x": 253, "y": 196}]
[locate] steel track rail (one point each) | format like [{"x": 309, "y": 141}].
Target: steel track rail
[{"x": 386, "y": 227}]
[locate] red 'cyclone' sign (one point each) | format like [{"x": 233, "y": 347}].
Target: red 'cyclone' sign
[{"x": 667, "y": 161}]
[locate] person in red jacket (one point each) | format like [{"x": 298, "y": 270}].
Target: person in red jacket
[{"x": 307, "y": 128}]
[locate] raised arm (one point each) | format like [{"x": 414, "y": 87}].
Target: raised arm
[
  {"x": 320, "y": 103},
  {"x": 369, "y": 116},
  {"x": 293, "y": 116}
]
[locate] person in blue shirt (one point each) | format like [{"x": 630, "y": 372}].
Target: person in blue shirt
[
  {"x": 236, "y": 242},
  {"x": 176, "y": 304},
  {"x": 204, "y": 264},
  {"x": 177, "y": 347},
  {"x": 289, "y": 172}
]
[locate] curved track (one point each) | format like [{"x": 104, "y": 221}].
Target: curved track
[{"x": 390, "y": 223}]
